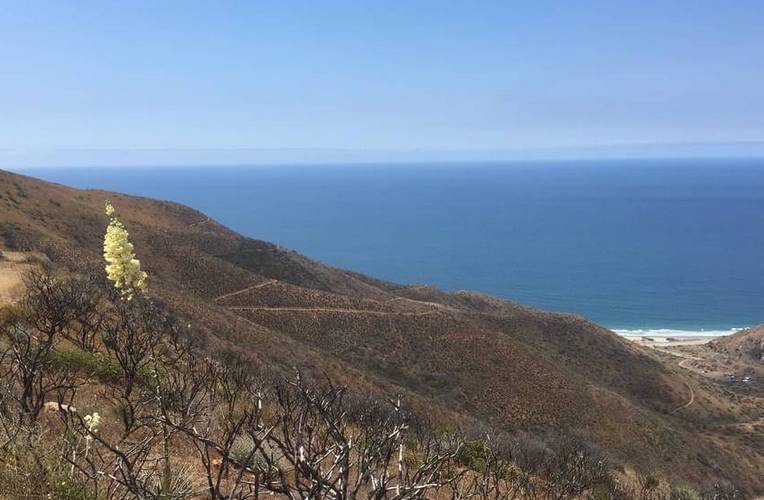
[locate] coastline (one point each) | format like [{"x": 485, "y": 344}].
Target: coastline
[
  {"x": 520, "y": 203},
  {"x": 668, "y": 341},
  {"x": 668, "y": 337}
]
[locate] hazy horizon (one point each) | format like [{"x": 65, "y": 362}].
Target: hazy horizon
[
  {"x": 376, "y": 82},
  {"x": 31, "y": 158}
]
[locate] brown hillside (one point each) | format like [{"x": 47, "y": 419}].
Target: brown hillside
[
  {"x": 464, "y": 356},
  {"x": 748, "y": 343}
]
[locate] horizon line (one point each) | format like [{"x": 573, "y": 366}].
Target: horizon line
[{"x": 251, "y": 156}]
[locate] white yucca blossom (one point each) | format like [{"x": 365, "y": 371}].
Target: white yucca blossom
[
  {"x": 122, "y": 268},
  {"x": 92, "y": 422}
]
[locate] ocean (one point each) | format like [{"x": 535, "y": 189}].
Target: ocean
[{"x": 640, "y": 246}]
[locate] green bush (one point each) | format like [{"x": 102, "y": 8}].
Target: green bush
[
  {"x": 31, "y": 468},
  {"x": 474, "y": 455},
  {"x": 68, "y": 489},
  {"x": 681, "y": 492},
  {"x": 242, "y": 450},
  {"x": 90, "y": 364}
]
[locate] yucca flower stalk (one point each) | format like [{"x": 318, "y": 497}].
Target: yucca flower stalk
[
  {"x": 122, "y": 268},
  {"x": 91, "y": 423}
]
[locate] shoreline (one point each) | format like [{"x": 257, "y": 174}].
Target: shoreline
[
  {"x": 669, "y": 337},
  {"x": 675, "y": 332},
  {"x": 670, "y": 340}
]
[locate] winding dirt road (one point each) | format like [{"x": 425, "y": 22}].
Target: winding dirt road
[
  {"x": 688, "y": 403},
  {"x": 685, "y": 359},
  {"x": 253, "y": 287},
  {"x": 330, "y": 310}
]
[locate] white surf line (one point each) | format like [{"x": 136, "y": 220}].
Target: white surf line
[
  {"x": 253, "y": 287},
  {"x": 670, "y": 332}
]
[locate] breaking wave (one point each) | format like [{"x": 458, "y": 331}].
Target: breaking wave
[{"x": 668, "y": 332}]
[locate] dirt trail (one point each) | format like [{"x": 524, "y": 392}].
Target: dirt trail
[
  {"x": 685, "y": 358},
  {"x": 688, "y": 403},
  {"x": 200, "y": 223},
  {"x": 746, "y": 425},
  {"x": 425, "y": 302},
  {"x": 253, "y": 287},
  {"x": 13, "y": 265},
  {"x": 330, "y": 310},
  {"x": 440, "y": 307}
]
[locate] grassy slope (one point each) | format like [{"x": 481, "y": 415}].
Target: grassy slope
[{"x": 465, "y": 356}]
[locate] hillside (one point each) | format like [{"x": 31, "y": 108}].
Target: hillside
[
  {"x": 747, "y": 344},
  {"x": 463, "y": 357}
]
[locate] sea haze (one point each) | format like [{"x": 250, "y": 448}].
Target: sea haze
[{"x": 638, "y": 245}]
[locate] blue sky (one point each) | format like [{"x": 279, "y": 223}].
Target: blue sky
[{"x": 392, "y": 76}]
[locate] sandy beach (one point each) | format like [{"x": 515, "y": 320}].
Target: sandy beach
[{"x": 669, "y": 340}]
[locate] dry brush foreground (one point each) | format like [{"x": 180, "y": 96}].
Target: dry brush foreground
[{"x": 108, "y": 398}]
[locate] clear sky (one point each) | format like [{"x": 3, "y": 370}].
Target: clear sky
[{"x": 383, "y": 76}]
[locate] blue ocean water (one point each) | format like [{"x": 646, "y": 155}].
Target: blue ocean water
[{"x": 631, "y": 244}]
